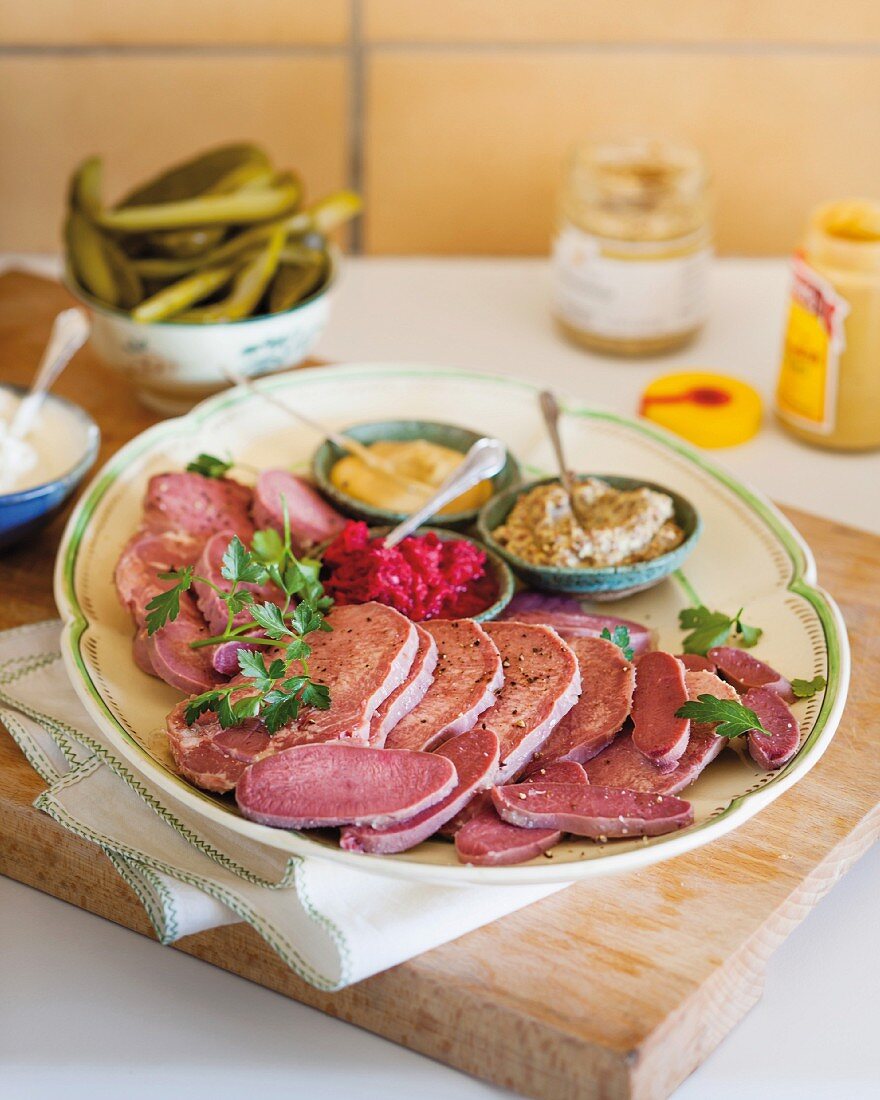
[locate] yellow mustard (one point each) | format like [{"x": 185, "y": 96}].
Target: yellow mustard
[
  {"x": 829, "y": 381},
  {"x": 632, "y": 250},
  {"x": 416, "y": 460}
]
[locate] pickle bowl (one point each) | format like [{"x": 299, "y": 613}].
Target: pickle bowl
[
  {"x": 604, "y": 583},
  {"x": 452, "y": 436},
  {"x": 172, "y": 365},
  {"x": 505, "y": 581}
]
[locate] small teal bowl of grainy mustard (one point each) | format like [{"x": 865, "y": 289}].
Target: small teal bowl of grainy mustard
[{"x": 611, "y": 582}]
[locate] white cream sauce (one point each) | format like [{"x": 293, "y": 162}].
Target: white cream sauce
[{"x": 55, "y": 443}]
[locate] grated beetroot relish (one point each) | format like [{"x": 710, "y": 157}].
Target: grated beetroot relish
[{"x": 423, "y": 577}]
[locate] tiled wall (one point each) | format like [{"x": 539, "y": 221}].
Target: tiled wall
[{"x": 452, "y": 116}]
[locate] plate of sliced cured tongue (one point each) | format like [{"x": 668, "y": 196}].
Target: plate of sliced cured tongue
[{"x": 225, "y": 629}]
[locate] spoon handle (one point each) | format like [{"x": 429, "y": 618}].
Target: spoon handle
[
  {"x": 550, "y": 410},
  {"x": 343, "y": 442},
  {"x": 70, "y": 331},
  {"x": 485, "y": 458}
]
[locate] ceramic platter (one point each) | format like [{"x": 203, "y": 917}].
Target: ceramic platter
[{"x": 748, "y": 556}]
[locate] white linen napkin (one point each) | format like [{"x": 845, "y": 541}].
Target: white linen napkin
[{"x": 333, "y": 926}]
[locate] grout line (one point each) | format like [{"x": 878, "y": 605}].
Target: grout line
[
  {"x": 356, "y": 118},
  {"x": 174, "y": 49},
  {"x": 356, "y": 47},
  {"x": 758, "y": 47}
]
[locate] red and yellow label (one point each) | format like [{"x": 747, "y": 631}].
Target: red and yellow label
[{"x": 814, "y": 338}]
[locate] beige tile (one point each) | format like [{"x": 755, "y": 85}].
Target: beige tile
[
  {"x": 176, "y": 22},
  {"x": 145, "y": 112},
  {"x": 464, "y": 151},
  {"x": 622, "y": 20}
]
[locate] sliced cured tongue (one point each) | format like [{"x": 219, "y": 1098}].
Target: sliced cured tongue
[
  {"x": 410, "y": 693},
  {"x": 591, "y": 811},
  {"x": 622, "y": 765},
  {"x": 170, "y": 654},
  {"x": 542, "y": 682},
  {"x": 607, "y": 684},
  {"x": 315, "y": 786},
  {"x": 660, "y": 691},
  {"x": 466, "y": 677},
  {"x": 745, "y": 672},
  {"x": 694, "y": 662},
  {"x": 777, "y": 749},
  {"x": 312, "y": 520},
  {"x": 564, "y": 771},
  {"x": 364, "y": 657},
  {"x": 146, "y": 555},
  {"x": 224, "y": 657},
  {"x": 569, "y": 619},
  {"x": 474, "y": 756},
  {"x": 197, "y": 505},
  {"x": 486, "y": 840},
  {"x": 211, "y": 605},
  {"x": 197, "y": 758}
]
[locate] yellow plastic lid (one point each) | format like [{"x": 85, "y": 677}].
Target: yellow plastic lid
[{"x": 711, "y": 410}]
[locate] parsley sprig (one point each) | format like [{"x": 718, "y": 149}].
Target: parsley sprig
[
  {"x": 276, "y": 691},
  {"x": 620, "y": 638},
  {"x": 712, "y": 628},
  {"x": 733, "y": 719},
  {"x": 804, "y": 689},
  {"x": 209, "y": 466}
]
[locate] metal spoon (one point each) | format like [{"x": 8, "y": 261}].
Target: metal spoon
[
  {"x": 343, "y": 442},
  {"x": 69, "y": 332},
  {"x": 485, "y": 458},
  {"x": 550, "y": 412}
]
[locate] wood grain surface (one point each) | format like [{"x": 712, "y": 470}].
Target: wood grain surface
[{"x": 616, "y": 988}]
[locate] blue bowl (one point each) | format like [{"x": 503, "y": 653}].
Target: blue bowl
[
  {"x": 610, "y": 582},
  {"x": 26, "y": 511}
]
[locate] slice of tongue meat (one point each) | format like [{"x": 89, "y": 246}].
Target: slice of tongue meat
[
  {"x": 564, "y": 771},
  {"x": 569, "y": 619},
  {"x": 145, "y": 556},
  {"x": 622, "y": 765},
  {"x": 485, "y": 840},
  {"x": 777, "y": 749},
  {"x": 312, "y": 520},
  {"x": 318, "y": 786},
  {"x": 172, "y": 657},
  {"x": 210, "y": 565},
  {"x": 745, "y": 672},
  {"x": 366, "y": 655},
  {"x": 198, "y": 506},
  {"x": 224, "y": 657},
  {"x": 695, "y": 663},
  {"x": 466, "y": 677},
  {"x": 607, "y": 684},
  {"x": 591, "y": 811},
  {"x": 475, "y": 757},
  {"x": 660, "y": 691},
  {"x": 542, "y": 682},
  {"x": 410, "y": 693}
]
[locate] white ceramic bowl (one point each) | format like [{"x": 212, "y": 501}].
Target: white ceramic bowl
[{"x": 173, "y": 366}]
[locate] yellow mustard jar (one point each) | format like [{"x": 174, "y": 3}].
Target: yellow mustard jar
[
  {"x": 828, "y": 392},
  {"x": 633, "y": 247}
]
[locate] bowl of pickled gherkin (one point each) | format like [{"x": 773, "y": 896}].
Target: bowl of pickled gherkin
[{"x": 215, "y": 266}]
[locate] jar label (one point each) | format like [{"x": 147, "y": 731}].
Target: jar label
[
  {"x": 814, "y": 339},
  {"x": 640, "y": 294}
]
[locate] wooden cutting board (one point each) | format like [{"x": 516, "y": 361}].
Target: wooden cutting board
[{"x": 611, "y": 989}]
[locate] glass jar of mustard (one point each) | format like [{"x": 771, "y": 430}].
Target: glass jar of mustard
[
  {"x": 829, "y": 382},
  {"x": 632, "y": 251}
]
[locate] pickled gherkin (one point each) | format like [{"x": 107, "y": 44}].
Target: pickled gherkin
[{"x": 215, "y": 238}]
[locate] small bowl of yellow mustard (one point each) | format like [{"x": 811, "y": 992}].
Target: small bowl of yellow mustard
[{"x": 414, "y": 458}]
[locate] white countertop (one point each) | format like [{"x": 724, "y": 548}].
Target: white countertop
[{"x": 98, "y": 1011}]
